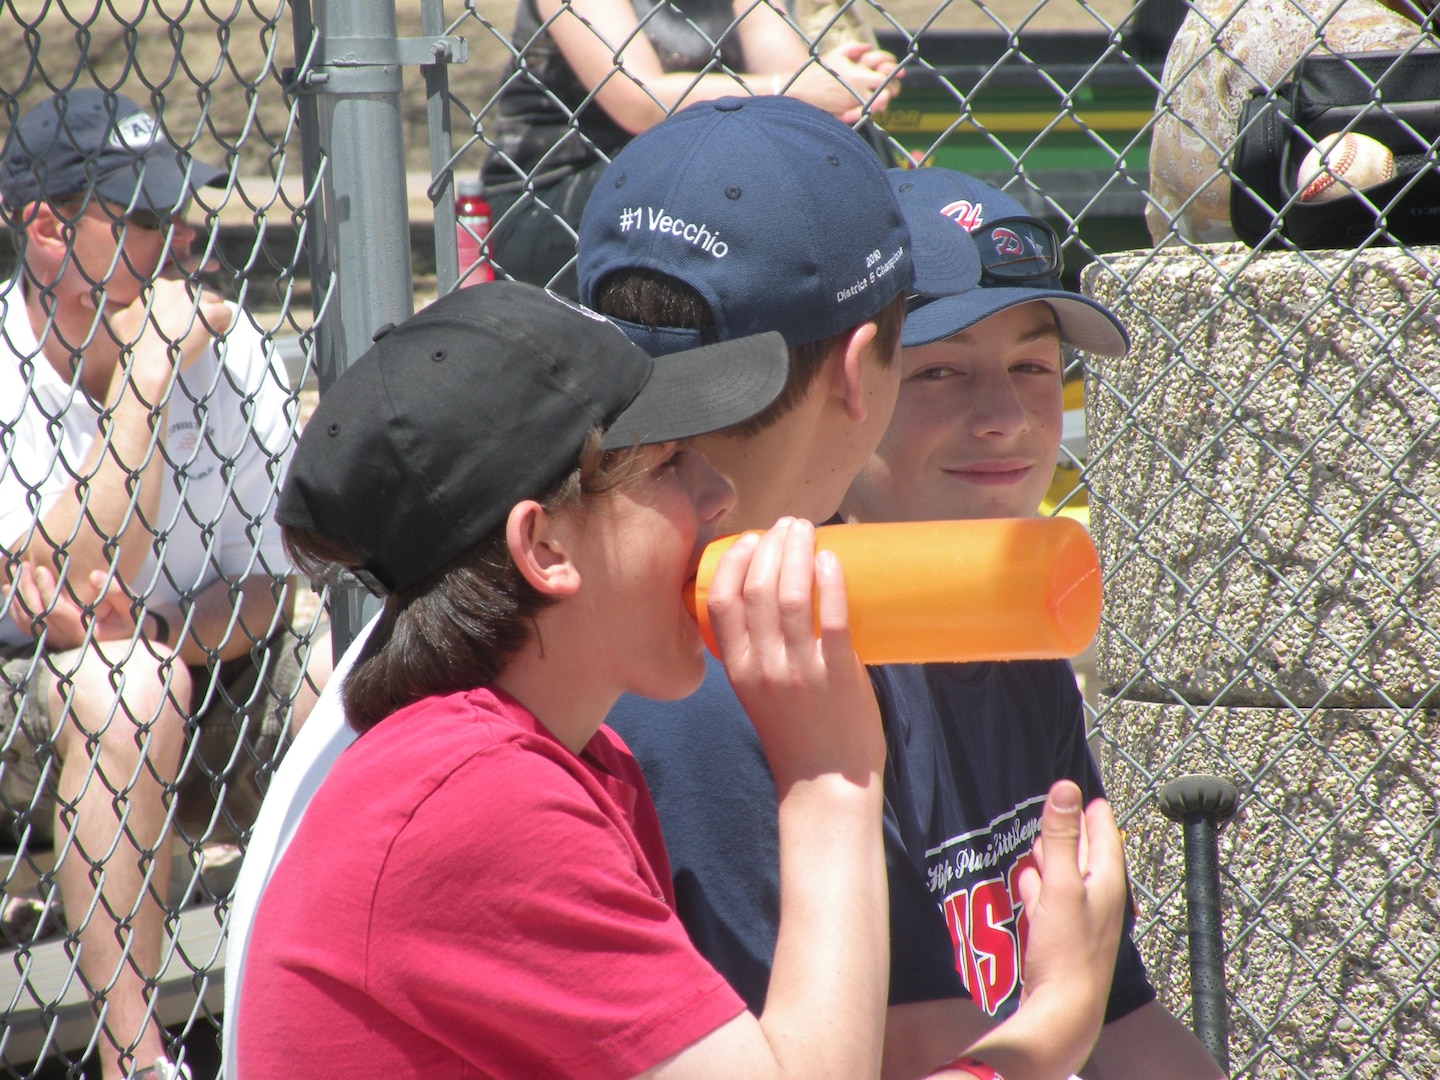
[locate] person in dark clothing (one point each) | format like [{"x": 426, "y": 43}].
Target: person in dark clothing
[{"x": 566, "y": 107}]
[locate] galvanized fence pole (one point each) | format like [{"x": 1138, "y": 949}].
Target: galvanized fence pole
[
  {"x": 355, "y": 77},
  {"x": 442, "y": 177}
]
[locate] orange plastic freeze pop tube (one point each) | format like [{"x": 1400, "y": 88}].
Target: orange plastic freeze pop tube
[{"x": 923, "y": 592}]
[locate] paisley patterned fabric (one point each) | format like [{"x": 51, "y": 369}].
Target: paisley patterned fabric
[{"x": 1223, "y": 50}]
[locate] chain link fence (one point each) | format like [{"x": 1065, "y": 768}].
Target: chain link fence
[
  {"x": 131, "y": 770},
  {"x": 1261, "y": 473}
]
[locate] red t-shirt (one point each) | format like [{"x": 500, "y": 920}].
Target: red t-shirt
[{"x": 465, "y": 897}]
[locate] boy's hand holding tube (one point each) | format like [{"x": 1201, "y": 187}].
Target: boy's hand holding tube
[
  {"x": 811, "y": 702},
  {"x": 808, "y": 696},
  {"x": 1074, "y": 897}
]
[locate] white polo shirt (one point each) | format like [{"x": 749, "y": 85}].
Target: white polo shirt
[{"x": 230, "y": 428}]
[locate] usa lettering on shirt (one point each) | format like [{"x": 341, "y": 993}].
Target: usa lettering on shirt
[{"x": 974, "y": 877}]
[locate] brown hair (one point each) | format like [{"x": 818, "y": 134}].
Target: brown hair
[
  {"x": 460, "y": 627},
  {"x": 651, "y": 298}
]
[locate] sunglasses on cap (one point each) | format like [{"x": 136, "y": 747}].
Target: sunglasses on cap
[
  {"x": 1013, "y": 251},
  {"x": 1017, "y": 249}
]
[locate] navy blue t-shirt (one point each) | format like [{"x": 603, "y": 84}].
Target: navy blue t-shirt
[
  {"x": 719, "y": 812},
  {"x": 973, "y": 750}
]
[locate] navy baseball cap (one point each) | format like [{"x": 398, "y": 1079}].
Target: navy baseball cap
[
  {"x": 99, "y": 142},
  {"x": 484, "y": 399},
  {"x": 1019, "y": 261},
  {"x": 776, "y": 213}
]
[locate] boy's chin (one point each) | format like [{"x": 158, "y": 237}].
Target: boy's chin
[
  {"x": 977, "y": 506},
  {"x": 683, "y": 681}
]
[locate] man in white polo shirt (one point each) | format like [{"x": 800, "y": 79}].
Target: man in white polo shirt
[{"x": 144, "y": 429}]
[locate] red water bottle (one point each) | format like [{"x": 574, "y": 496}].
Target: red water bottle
[{"x": 472, "y": 226}]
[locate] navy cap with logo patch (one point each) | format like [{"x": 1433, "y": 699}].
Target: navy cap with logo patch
[
  {"x": 94, "y": 141},
  {"x": 776, "y": 213},
  {"x": 484, "y": 399},
  {"x": 1019, "y": 255}
]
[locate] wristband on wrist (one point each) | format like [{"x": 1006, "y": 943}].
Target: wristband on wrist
[
  {"x": 974, "y": 1067},
  {"x": 977, "y": 1069},
  {"x": 775, "y": 85},
  {"x": 162, "y": 628}
]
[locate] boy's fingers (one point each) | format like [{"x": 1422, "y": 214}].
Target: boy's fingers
[
  {"x": 1106, "y": 854},
  {"x": 724, "y": 597},
  {"x": 795, "y": 588},
  {"x": 108, "y": 594},
  {"x": 103, "y": 589},
  {"x": 835, "y": 641},
  {"x": 1061, "y": 828},
  {"x": 47, "y": 585},
  {"x": 104, "y": 592},
  {"x": 762, "y": 609},
  {"x": 1027, "y": 882},
  {"x": 1105, "y": 880},
  {"x": 29, "y": 592}
]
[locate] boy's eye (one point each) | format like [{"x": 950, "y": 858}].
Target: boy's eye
[
  {"x": 140, "y": 218},
  {"x": 935, "y": 373},
  {"x": 1035, "y": 367}
]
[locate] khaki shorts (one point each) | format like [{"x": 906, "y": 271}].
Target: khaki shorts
[{"x": 237, "y": 730}]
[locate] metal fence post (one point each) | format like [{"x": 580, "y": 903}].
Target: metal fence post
[
  {"x": 442, "y": 184},
  {"x": 356, "y": 79},
  {"x": 1200, "y": 804}
]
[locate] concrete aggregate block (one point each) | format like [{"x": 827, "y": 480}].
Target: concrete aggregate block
[
  {"x": 1330, "y": 896},
  {"x": 1264, "y": 476}
]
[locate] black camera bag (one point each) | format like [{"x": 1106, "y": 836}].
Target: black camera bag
[{"x": 1389, "y": 96}]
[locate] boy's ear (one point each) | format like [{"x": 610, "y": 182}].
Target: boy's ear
[
  {"x": 539, "y": 551},
  {"x": 44, "y": 228},
  {"x": 850, "y": 371}
]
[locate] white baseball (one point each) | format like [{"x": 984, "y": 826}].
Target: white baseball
[{"x": 1342, "y": 164}]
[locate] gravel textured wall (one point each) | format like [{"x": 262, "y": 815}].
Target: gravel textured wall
[
  {"x": 1270, "y": 507},
  {"x": 1265, "y": 495},
  {"x": 1331, "y": 899}
]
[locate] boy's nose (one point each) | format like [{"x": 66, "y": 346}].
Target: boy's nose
[
  {"x": 182, "y": 236},
  {"x": 715, "y": 495},
  {"x": 996, "y": 409}
]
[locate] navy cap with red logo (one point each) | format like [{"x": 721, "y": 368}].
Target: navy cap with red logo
[{"x": 1019, "y": 256}]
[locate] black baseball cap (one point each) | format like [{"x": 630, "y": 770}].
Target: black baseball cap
[
  {"x": 100, "y": 142},
  {"x": 484, "y": 399}
]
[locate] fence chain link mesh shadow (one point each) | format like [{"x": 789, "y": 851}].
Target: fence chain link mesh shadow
[{"x": 1261, "y": 474}]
